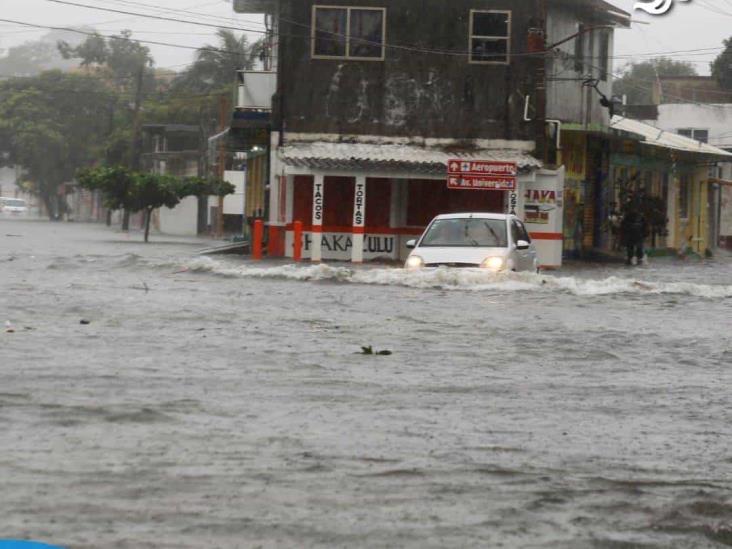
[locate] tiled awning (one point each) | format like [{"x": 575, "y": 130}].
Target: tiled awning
[{"x": 392, "y": 158}]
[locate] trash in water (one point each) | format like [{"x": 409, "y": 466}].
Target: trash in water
[
  {"x": 84, "y": 322},
  {"x": 370, "y": 351},
  {"x": 9, "y": 328}
]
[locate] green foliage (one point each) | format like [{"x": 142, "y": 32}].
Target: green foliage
[
  {"x": 121, "y": 56},
  {"x": 201, "y": 186},
  {"x": 151, "y": 191},
  {"x": 116, "y": 183},
  {"x": 124, "y": 189},
  {"x": 216, "y": 66},
  {"x": 722, "y": 66},
  {"x": 52, "y": 125},
  {"x": 638, "y": 78}
]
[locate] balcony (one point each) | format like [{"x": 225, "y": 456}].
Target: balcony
[
  {"x": 254, "y": 6},
  {"x": 255, "y": 90}
]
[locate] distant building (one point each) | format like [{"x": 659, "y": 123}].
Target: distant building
[{"x": 376, "y": 99}]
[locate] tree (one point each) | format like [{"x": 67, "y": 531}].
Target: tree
[
  {"x": 722, "y": 66},
  {"x": 205, "y": 186},
  {"x": 50, "y": 126},
  {"x": 33, "y": 57},
  {"x": 152, "y": 191},
  {"x": 119, "y": 58},
  {"x": 125, "y": 62},
  {"x": 638, "y": 78},
  {"x": 215, "y": 66},
  {"x": 146, "y": 192},
  {"x": 116, "y": 183}
]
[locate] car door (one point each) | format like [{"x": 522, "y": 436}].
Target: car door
[{"x": 528, "y": 257}]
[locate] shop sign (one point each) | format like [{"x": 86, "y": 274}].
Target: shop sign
[
  {"x": 339, "y": 246},
  {"x": 318, "y": 203},
  {"x": 359, "y": 205},
  {"x": 538, "y": 203},
  {"x": 482, "y": 175}
]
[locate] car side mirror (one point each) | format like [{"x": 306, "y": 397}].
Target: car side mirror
[
  {"x": 411, "y": 244},
  {"x": 522, "y": 245}
]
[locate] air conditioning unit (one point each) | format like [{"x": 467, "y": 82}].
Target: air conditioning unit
[{"x": 254, "y": 6}]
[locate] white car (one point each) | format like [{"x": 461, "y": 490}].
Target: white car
[
  {"x": 498, "y": 242},
  {"x": 13, "y": 206}
]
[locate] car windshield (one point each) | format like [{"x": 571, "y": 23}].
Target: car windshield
[
  {"x": 467, "y": 232},
  {"x": 14, "y": 203}
]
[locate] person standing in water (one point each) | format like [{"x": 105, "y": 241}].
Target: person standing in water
[{"x": 633, "y": 228}]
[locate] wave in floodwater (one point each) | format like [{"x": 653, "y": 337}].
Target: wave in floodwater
[{"x": 460, "y": 279}]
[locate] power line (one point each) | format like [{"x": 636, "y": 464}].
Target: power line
[
  {"x": 338, "y": 36},
  {"x": 158, "y": 17},
  {"x": 182, "y": 46}
]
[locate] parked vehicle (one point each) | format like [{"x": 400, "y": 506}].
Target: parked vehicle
[
  {"x": 13, "y": 206},
  {"x": 498, "y": 242}
]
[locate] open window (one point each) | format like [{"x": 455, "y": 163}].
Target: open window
[
  {"x": 348, "y": 33},
  {"x": 490, "y": 36}
]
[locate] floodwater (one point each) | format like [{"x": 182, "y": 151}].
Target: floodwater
[{"x": 221, "y": 403}]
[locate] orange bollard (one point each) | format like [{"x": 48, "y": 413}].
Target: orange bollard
[
  {"x": 297, "y": 240},
  {"x": 257, "y": 236}
]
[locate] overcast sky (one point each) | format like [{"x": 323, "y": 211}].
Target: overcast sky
[{"x": 695, "y": 25}]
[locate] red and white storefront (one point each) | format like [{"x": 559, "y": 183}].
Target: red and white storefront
[{"x": 362, "y": 202}]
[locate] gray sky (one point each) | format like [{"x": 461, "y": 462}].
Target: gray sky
[{"x": 690, "y": 26}]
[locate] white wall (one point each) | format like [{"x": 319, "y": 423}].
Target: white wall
[
  {"x": 181, "y": 220},
  {"x": 567, "y": 99},
  {"x": 715, "y": 118},
  {"x": 233, "y": 203}
]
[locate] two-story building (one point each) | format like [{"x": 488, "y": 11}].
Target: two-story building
[{"x": 374, "y": 98}]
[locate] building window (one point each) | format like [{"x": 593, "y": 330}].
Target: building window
[
  {"x": 604, "y": 55},
  {"x": 701, "y": 135},
  {"x": 490, "y": 36},
  {"x": 348, "y": 33},
  {"x": 695, "y": 133}
]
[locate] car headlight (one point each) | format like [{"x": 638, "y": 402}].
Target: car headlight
[
  {"x": 493, "y": 263},
  {"x": 414, "y": 262}
]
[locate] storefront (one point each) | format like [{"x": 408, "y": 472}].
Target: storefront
[
  {"x": 362, "y": 202},
  {"x": 675, "y": 170}
]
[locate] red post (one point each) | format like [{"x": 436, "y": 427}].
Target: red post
[
  {"x": 257, "y": 236},
  {"x": 297, "y": 240}
]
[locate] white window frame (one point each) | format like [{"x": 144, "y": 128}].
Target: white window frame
[
  {"x": 347, "y": 56},
  {"x": 507, "y": 38},
  {"x": 693, "y": 132}
]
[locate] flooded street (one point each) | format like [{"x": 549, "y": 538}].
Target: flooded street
[{"x": 214, "y": 402}]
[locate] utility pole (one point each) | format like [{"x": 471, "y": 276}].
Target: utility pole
[
  {"x": 136, "y": 149},
  {"x": 542, "y": 148},
  {"x": 223, "y": 115}
]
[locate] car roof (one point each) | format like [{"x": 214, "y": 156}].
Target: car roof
[{"x": 476, "y": 215}]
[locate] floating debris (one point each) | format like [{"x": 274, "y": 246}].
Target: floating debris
[{"x": 370, "y": 351}]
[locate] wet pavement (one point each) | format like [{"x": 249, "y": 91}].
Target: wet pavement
[{"x": 214, "y": 402}]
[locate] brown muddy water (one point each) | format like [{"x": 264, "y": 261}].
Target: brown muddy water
[{"x": 220, "y": 403}]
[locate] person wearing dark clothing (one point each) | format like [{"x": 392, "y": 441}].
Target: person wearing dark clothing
[{"x": 634, "y": 232}]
